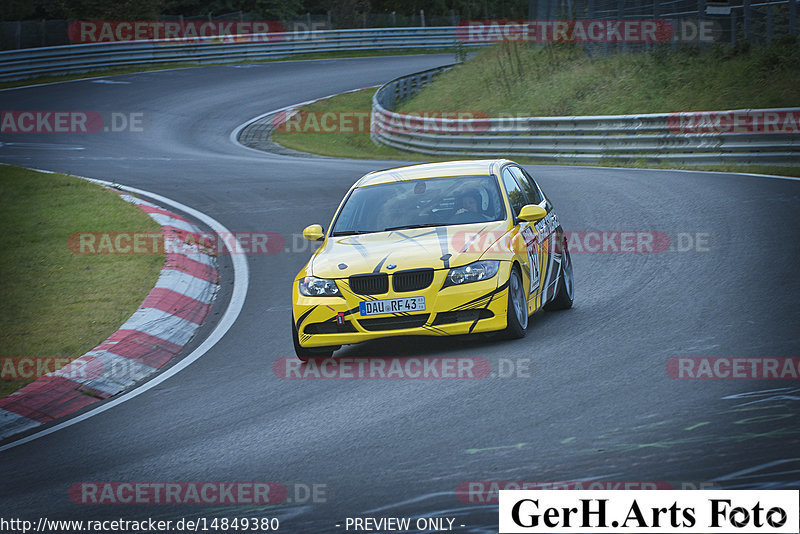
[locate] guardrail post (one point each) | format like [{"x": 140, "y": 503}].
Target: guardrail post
[
  {"x": 748, "y": 15},
  {"x": 540, "y": 10},
  {"x": 701, "y": 18},
  {"x": 656, "y": 15},
  {"x": 769, "y": 25}
]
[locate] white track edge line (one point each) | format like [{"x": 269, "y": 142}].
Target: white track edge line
[{"x": 240, "y": 283}]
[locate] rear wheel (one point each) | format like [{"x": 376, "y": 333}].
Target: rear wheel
[
  {"x": 305, "y": 353},
  {"x": 517, "y": 314},
  {"x": 565, "y": 291}
]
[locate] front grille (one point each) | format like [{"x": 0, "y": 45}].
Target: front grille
[
  {"x": 412, "y": 280},
  {"x": 331, "y": 327},
  {"x": 394, "y": 323},
  {"x": 463, "y": 316},
  {"x": 369, "y": 284}
]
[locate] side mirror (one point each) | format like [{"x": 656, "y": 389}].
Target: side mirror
[
  {"x": 532, "y": 213},
  {"x": 314, "y": 232}
]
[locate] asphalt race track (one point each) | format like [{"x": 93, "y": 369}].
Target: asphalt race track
[{"x": 595, "y": 404}]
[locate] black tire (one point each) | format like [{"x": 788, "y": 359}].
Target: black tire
[
  {"x": 304, "y": 353},
  {"x": 565, "y": 290},
  {"x": 517, "y": 308}
]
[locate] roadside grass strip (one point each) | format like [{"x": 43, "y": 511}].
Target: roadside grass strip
[
  {"x": 178, "y": 302},
  {"x": 350, "y": 141},
  {"x": 517, "y": 80}
]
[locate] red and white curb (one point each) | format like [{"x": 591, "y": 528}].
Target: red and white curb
[{"x": 165, "y": 322}]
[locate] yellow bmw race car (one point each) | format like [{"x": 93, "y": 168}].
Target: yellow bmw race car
[{"x": 435, "y": 249}]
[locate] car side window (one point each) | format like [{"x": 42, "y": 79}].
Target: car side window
[
  {"x": 515, "y": 195},
  {"x": 528, "y": 186}
]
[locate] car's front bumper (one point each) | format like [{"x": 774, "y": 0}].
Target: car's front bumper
[{"x": 453, "y": 310}]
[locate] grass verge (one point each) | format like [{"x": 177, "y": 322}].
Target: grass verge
[
  {"x": 343, "y": 143},
  {"x": 58, "y": 304},
  {"x": 558, "y": 80}
]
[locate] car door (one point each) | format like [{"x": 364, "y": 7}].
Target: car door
[
  {"x": 527, "y": 236},
  {"x": 548, "y": 231}
]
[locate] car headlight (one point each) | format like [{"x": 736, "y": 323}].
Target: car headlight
[
  {"x": 312, "y": 286},
  {"x": 474, "y": 272}
]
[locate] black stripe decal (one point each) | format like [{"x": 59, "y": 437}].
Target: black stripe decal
[
  {"x": 359, "y": 246},
  {"x": 377, "y": 268},
  {"x": 434, "y": 329},
  {"x": 475, "y": 322},
  {"x": 489, "y": 295},
  {"x": 302, "y": 317}
]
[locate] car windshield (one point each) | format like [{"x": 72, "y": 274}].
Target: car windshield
[{"x": 420, "y": 203}]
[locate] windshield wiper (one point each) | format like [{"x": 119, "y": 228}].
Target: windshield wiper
[
  {"x": 352, "y": 232},
  {"x": 428, "y": 225}
]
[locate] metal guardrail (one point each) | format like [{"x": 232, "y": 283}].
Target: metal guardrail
[
  {"x": 556, "y": 139},
  {"x": 588, "y": 139},
  {"x": 56, "y": 60}
]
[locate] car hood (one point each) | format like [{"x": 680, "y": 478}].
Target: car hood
[{"x": 413, "y": 248}]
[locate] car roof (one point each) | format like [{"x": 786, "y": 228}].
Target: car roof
[{"x": 482, "y": 167}]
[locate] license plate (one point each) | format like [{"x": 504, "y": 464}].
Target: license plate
[{"x": 405, "y": 304}]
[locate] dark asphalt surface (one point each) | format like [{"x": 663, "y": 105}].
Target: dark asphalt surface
[{"x": 597, "y": 405}]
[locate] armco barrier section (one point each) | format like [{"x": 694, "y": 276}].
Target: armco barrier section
[
  {"x": 769, "y": 138},
  {"x": 57, "y": 60}
]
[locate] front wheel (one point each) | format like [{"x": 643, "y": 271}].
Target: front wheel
[
  {"x": 305, "y": 353},
  {"x": 565, "y": 290},
  {"x": 517, "y": 310}
]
